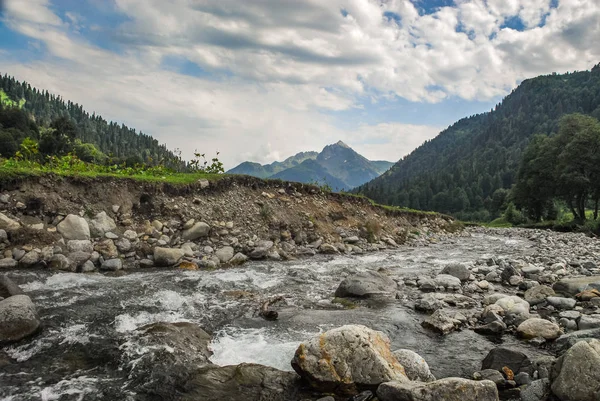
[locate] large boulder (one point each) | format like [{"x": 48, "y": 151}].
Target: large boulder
[
  {"x": 538, "y": 294},
  {"x": 569, "y": 287},
  {"x": 346, "y": 357},
  {"x": 449, "y": 389},
  {"x": 225, "y": 254},
  {"x": 367, "y": 284},
  {"x": 102, "y": 224},
  {"x": 536, "y": 327},
  {"x": 74, "y": 227},
  {"x": 198, "y": 230},
  {"x": 577, "y": 377},
  {"x": 165, "y": 257},
  {"x": 415, "y": 367},
  {"x": 8, "y": 288},
  {"x": 457, "y": 270},
  {"x": 18, "y": 318},
  {"x": 500, "y": 357}
]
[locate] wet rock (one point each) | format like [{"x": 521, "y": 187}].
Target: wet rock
[
  {"x": 102, "y": 224},
  {"x": 441, "y": 322},
  {"x": 538, "y": 390},
  {"x": 8, "y": 224},
  {"x": 522, "y": 379},
  {"x": 112, "y": 264},
  {"x": 570, "y": 287},
  {"x": 367, "y": 284},
  {"x": 335, "y": 360},
  {"x": 449, "y": 389},
  {"x": 536, "y": 327},
  {"x": 225, "y": 254},
  {"x": 8, "y": 288},
  {"x": 493, "y": 328},
  {"x": 238, "y": 259},
  {"x": 561, "y": 303},
  {"x": 500, "y": 357},
  {"x": 457, "y": 270},
  {"x": 198, "y": 230},
  {"x": 415, "y": 367},
  {"x": 18, "y": 318},
  {"x": 538, "y": 294},
  {"x": 577, "y": 377},
  {"x": 490, "y": 374},
  {"x": 165, "y": 257},
  {"x": 8, "y": 263},
  {"x": 74, "y": 227}
]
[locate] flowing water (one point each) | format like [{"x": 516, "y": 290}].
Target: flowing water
[{"x": 88, "y": 318}]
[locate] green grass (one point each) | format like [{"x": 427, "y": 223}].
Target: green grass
[{"x": 500, "y": 222}]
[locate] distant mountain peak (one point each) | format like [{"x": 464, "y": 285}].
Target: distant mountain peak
[{"x": 342, "y": 144}]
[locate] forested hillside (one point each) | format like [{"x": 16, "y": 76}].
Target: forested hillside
[
  {"x": 468, "y": 169},
  {"x": 117, "y": 141}
]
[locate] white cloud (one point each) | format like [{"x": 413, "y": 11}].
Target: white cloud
[{"x": 281, "y": 64}]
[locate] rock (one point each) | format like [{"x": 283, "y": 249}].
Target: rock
[
  {"x": 335, "y": 360},
  {"x": 538, "y": 390},
  {"x": 74, "y": 227},
  {"x": 561, "y": 303},
  {"x": 61, "y": 262},
  {"x": 508, "y": 272},
  {"x": 30, "y": 259},
  {"x": 522, "y": 379},
  {"x": 449, "y": 389},
  {"x": 238, "y": 259},
  {"x": 415, "y": 367},
  {"x": 457, "y": 270},
  {"x": 426, "y": 284},
  {"x": 77, "y": 259},
  {"x": 536, "y": 327},
  {"x": 123, "y": 245},
  {"x": 8, "y": 224},
  {"x": 493, "y": 298},
  {"x": 8, "y": 288},
  {"x": 513, "y": 304},
  {"x": 367, "y": 284},
  {"x": 75, "y": 245},
  {"x": 500, "y": 357},
  {"x": 112, "y": 265},
  {"x": 130, "y": 235},
  {"x": 198, "y": 230},
  {"x": 492, "y": 328},
  {"x": 569, "y": 287},
  {"x": 531, "y": 270},
  {"x": 447, "y": 281},
  {"x": 490, "y": 374},
  {"x": 441, "y": 322},
  {"x": 8, "y": 263},
  {"x": 225, "y": 254},
  {"x": 588, "y": 295},
  {"x": 18, "y": 318},
  {"x": 577, "y": 377},
  {"x": 566, "y": 341},
  {"x": 164, "y": 257},
  {"x": 538, "y": 294},
  {"x": 107, "y": 249},
  {"x": 88, "y": 267},
  {"x": 102, "y": 224},
  {"x": 328, "y": 249},
  {"x": 587, "y": 322}
]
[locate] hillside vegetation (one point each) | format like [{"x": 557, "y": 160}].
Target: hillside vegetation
[{"x": 469, "y": 168}]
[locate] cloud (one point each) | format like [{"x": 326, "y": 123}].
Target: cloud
[{"x": 275, "y": 73}]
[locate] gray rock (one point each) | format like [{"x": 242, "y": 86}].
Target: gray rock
[
  {"x": 8, "y": 288},
  {"x": 30, "y": 259},
  {"x": 112, "y": 265},
  {"x": 522, "y": 378},
  {"x": 18, "y": 254},
  {"x": 146, "y": 263},
  {"x": 107, "y": 249},
  {"x": 589, "y": 322},
  {"x": 8, "y": 263},
  {"x": 492, "y": 328},
  {"x": 577, "y": 377},
  {"x": 76, "y": 245},
  {"x": 78, "y": 259},
  {"x": 238, "y": 259},
  {"x": 3, "y": 236},
  {"x": 61, "y": 262},
  {"x": 74, "y": 227},
  {"x": 415, "y": 367},
  {"x": 18, "y": 318},
  {"x": 499, "y": 357},
  {"x": 447, "y": 281},
  {"x": 426, "y": 284},
  {"x": 130, "y": 235},
  {"x": 449, "y": 389},
  {"x": 198, "y": 230},
  {"x": 343, "y": 368},
  {"x": 493, "y": 298},
  {"x": 367, "y": 284},
  {"x": 225, "y": 254},
  {"x": 165, "y": 257},
  {"x": 561, "y": 303},
  {"x": 538, "y": 294},
  {"x": 328, "y": 249},
  {"x": 457, "y": 270},
  {"x": 538, "y": 390},
  {"x": 536, "y": 327},
  {"x": 102, "y": 224},
  {"x": 123, "y": 245},
  {"x": 508, "y": 272},
  {"x": 569, "y": 287},
  {"x": 566, "y": 341},
  {"x": 8, "y": 224},
  {"x": 440, "y": 321},
  {"x": 490, "y": 374},
  {"x": 570, "y": 314},
  {"x": 88, "y": 267}
]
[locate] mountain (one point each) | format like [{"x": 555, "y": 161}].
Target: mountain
[
  {"x": 468, "y": 169},
  {"x": 111, "y": 138},
  {"x": 337, "y": 165},
  {"x": 267, "y": 170}
]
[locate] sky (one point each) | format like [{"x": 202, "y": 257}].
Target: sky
[{"x": 261, "y": 80}]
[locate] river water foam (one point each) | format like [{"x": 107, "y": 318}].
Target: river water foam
[{"x": 89, "y": 318}]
